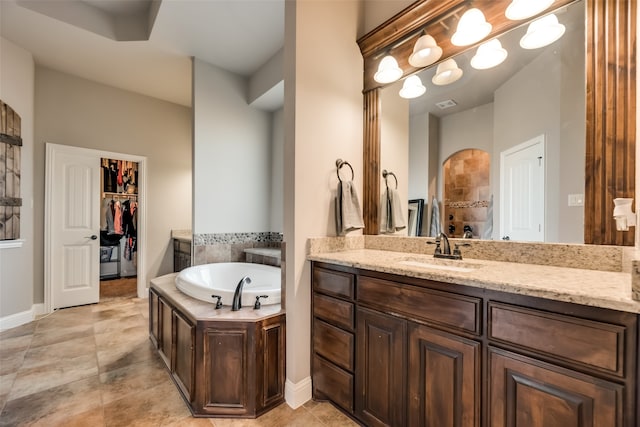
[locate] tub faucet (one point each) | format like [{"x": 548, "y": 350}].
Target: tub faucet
[{"x": 237, "y": 296}]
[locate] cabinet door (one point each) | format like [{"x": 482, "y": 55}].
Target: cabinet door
[
  {"x": 444, "y": 379},
  {"x": 226, "y": 370},
  {"x": 183, "y": 367},
  {"x": 271, "y": 361},
  {"x": 154, "y": 320},
  {"x": 380, "y": 369},
  {"x": 524, "y": 392},
  {"x": 166, "y": 332}
]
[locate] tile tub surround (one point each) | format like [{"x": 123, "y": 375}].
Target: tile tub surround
[
  {"x": 229, "y": 247},
  {"x": 95, "y": 366},
  {"x": 203, "y": 310},
  {"x": 266, "y": 256}
]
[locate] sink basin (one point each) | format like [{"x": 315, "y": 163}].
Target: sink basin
[{"x": 441, "y": 264}]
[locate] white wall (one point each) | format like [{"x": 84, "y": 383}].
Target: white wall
[
  {"x": 323, "y": 122},
  {"x": 81, "y": 113},
  {"x": 548, "y": 84},
  {"x": 277, "y": 169},
  {"x": 232, "y": 155},
  {"x": 394, "y": 143},
  {"x": 17, "y": 71},
  {"x": 472, "y": 128},
  {"x": 378, "y": 11}
]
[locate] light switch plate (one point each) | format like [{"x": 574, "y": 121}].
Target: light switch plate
[{"x": 576, "y": 200}]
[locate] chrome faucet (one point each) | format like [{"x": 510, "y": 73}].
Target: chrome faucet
[
  {"x": 446, "y": 247},
  {"x": 443, "y": 248},
  {"x": 237, "y": 296}
]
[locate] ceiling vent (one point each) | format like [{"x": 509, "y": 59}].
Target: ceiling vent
[{"x": 448, "y": 103}]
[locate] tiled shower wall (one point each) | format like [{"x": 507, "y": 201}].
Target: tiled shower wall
[
  {"x": 229, "y": 247},
  {"x": 466, "y": 192}
]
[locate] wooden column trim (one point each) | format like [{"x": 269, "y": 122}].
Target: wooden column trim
[
  {"x": 371, "y": 161},
  {"x": 611, "y": 117}
]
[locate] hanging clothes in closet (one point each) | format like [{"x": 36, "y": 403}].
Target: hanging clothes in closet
[{"x": 129, "y": 225}]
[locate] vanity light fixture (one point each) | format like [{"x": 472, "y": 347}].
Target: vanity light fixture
[
  {"x": 522, "y": 9},
  {"x": 489, "y": 55},
  {"x": 472, "y": 28},
  {"x": 425, "y": 52},
  {"x": 388, "y": 70},
  {"x": 412, "y": 88},
  {"x": 447, "y": 73},
  {"x": 542, "y": 32}
]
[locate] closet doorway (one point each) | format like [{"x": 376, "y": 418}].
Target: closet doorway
[
  {"x": 74, "y": 223},
  {"x": 119, "y": 208}
]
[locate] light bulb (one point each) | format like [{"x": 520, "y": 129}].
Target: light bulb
[{"x": 388, "y": 70}]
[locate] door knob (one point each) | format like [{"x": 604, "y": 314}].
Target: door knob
[{"x": 92, "y": 237}]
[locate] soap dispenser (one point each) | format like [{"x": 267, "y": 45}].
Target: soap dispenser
[{"x": 622, "y": 213}]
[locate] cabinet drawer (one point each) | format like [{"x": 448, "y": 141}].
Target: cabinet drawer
[
  {"x": 182, "y": 246},
  {"x": 333, "y": 282},
  {"x": 333, "y": 343},
  {"x": 335, "y": 311},
  {"x": 595, "y": 345},
  {"x": 444, "y": 308},
  {"x": 331, "y": 382}
]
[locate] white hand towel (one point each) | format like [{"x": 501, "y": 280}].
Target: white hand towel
[
  {"x": 391, "y": 215},
  {"x": 435, "y": 219},
  {"x": 348, "y": 211}
]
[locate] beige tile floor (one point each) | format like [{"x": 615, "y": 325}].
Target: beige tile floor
[{"x": 95, "y": 366}]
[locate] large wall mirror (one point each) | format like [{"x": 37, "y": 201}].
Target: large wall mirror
[{"x": 564, "y": 113}]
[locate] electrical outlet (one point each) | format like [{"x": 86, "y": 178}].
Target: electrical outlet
[{"x": 576, "y": 200}]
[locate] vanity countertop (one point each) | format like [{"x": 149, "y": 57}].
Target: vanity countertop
[
  {"x": 184, "y": 235},
  {"x": 588, "y": 287}
]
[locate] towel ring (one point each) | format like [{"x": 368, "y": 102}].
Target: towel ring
[
  {"x": 386, "y": 174},
  {"x": 339, "y": 164}
]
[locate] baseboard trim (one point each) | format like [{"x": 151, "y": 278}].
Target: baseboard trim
[
  {"x": 38, "y": 310},
  {"x": 297, "y": 394},
  {"x": 15, "y": 320}
]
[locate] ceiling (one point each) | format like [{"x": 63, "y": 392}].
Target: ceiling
[{"x": 145, "y": 46}]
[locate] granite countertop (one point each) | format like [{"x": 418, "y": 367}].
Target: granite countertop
[
  {"x": 201, "y": 310},
  {"x": 588, "y": 287},
  {"x": 184, "y": 235}
]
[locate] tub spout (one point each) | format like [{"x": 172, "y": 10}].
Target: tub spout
[{"x": 237, "y": 296}]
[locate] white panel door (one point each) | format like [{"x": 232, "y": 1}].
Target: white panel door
[
  {"x": 75, "y": 228},
  {"x": 522, "y": 191}
]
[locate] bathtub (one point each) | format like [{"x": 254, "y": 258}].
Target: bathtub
[{"x": 202, "y": 281}]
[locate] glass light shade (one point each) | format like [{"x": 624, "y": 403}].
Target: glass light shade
[
  {"x": 412, "y": 88},
  {"x": 472, "y": 28},
  {"x": 542, "y": 32},
  {"x": 447, "y": 73},
  {"x": 388, "y": 70},
  {"x": 425, "y": 52},
  {"x": 489, "y": 55},
  {"x": 522, "y": 9}
]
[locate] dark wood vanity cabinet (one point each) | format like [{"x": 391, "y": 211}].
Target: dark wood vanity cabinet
[
  {"x": 333, "y": 357},
  {"x": 221, "y": 368},
  {"x": 434, "y": 354},
  {"x": 380, "y": 368}
]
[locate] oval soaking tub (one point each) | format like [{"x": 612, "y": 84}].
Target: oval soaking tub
[{"x": 202, "y": 281}]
